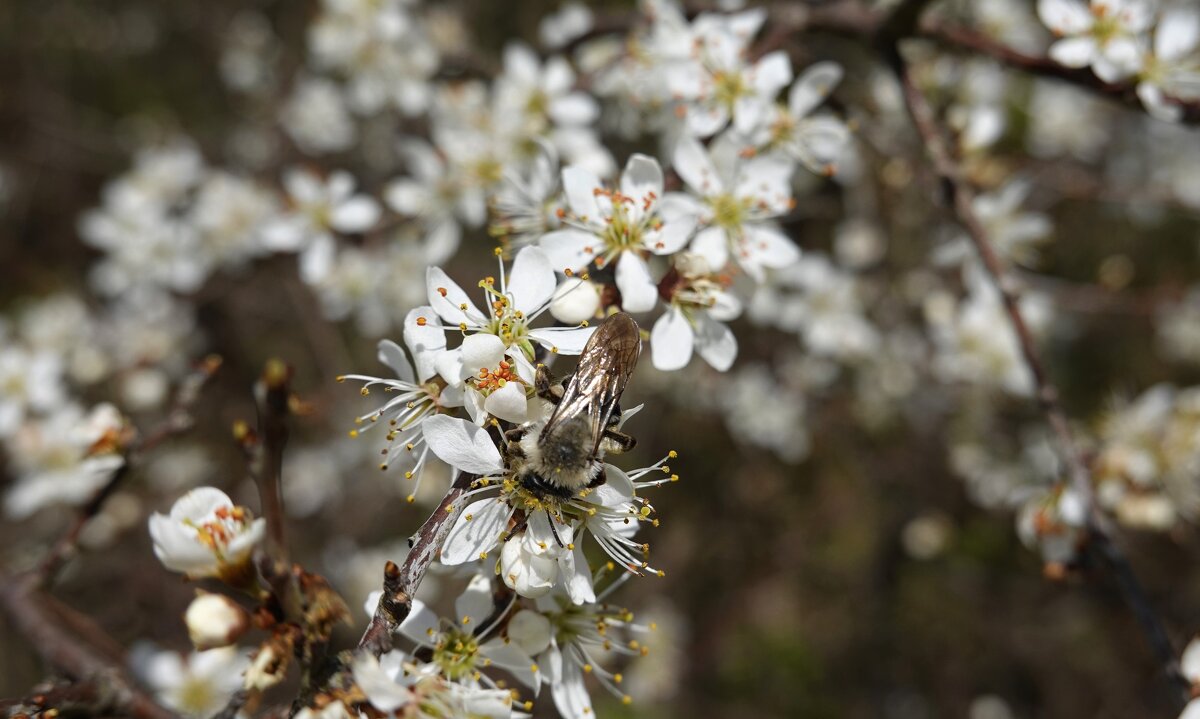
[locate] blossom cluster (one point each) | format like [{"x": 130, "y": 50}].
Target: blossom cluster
[{"x": 694, "y": 232}]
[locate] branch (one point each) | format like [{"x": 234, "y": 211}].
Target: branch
[
  {"x": 400, "y": 582},
  {"x": 961, "y": 39},
  {"x": 179, "y": 420},
  {"x": 34, "y": 616},
  {"x": 272, "y": 394},
  {"x": 853, "y": 19},
  {"x": 960, "y": 197}
]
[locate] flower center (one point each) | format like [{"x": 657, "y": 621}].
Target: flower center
[
  {"x": 729, "y": 212},
  {"x": 490, "y": 380},
  {"x": 217, "y": 533},
  {"x": 506, "y": 322},
  {"x": 728, "y": 87},
  {"x": 196, "y": 696},
  {"x": 456, "y": 653}
]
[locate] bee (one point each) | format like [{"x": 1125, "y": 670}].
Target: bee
[{"x": 560, "y": 455}]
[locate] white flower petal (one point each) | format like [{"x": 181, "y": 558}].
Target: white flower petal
[
  {"x": 638, "y": 292},
  {"x": 383, "y": 693},
  {"x": 564, "y": 340},
  {"x": 813, "y": 87},
  {"x": 531, "y": 281},
  {"x": 508, "y": 403},
  {"x": 642, "y": 178},
  {"x": 575, "y": 301},
  {"x": 570, "y": 249},
  {"x": 712, "y": 244},
  {"x": 357, "y": 214},
  {"x": 425, "y": 341},
  {"x": 580, "y": 186},
  {"x": 715, "y": 343},
  {"x": 530, "y": 631},
  {"x": 1065, "y": 17},
  {"x": 462, "y": 445},
  {"x": 693, "y": 164},
  {"x": 482, "y": 351},
  {"x": 671, "y": 341},
  {"x": 421, "y": 624},
  {"x": 1074, "y": 51},
  {"x": 475, "y": 604},
  {"x": 390, "y": 354},
  {"x": 476, "y": 531},
  {"x": 449, "y": 300}
]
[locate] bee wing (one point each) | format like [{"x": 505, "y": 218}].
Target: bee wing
[{"x": 605, "y": 365}]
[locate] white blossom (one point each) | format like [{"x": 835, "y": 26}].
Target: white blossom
[
  {"x": 206, "y": 535},
  {"x": 618, "y": 227},
  {"x": 1104, "y": 34}
]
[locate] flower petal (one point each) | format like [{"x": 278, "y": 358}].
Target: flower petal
[
  {"x": 580, "y": 186},
  {"x": 531, "y": 281},
  {"x": 475, "y": 603},
  {"x": 715, "y": 343},
  {"x": 425, "y": 341},
  {"x": 638, "y": 293},
  {"x": 693, "y": 164},
  {"x": 563, "y": 340},
  {"x": 357, "y": 214},
  {"x": 482, "y": 351},
  {"x": 508, "y": 403},
  {"x": 642, "y": 178},
  {"x": 462, "y": 445},
  {"x": 671, "y": 341},
  {"x": 476, "y": 531},
  {"x": 449, "y": 300},
  {"x": 570, "y": 248},
  {"x": 390, "y": 354}
]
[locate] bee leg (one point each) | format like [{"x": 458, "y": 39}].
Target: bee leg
[
  {"x": 517, "y": 528},
  {"x": 546, "y": 387},
  {"x": 600, "y": 478},
  {"x": 617, "y": 441},
  {"x": 550, "y": 518},
  {"x": 514, "y": 435}
]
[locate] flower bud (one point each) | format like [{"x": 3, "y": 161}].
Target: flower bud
[
  {"x": 575, "y": 301},
  {"x": 214, "y": 620}
]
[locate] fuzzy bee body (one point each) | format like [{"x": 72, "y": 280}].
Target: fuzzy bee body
[{"x": 561, "y": 455}]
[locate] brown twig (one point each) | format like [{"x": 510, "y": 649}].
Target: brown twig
[
  {"x": 33, "y": 614},
  {"x": 960, "y": 197},
  {"x": 272, "y": 394},
  {"x": 400, "y": 582},
  {"x": 178, "y": 420}
]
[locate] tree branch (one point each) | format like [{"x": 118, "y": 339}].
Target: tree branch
[
  {"x": 960, "y": 196},
  {"x": 400, "y": 582},
  {"x": 33, "y": 615}
]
